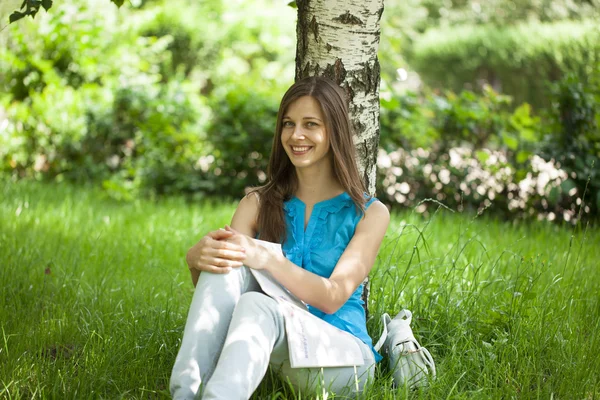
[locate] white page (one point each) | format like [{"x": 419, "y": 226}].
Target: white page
[
  {"x": 269, "y": 285},
  {"x": 312, "y": 342}
]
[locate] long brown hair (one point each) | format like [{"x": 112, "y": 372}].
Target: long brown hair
[{"x": 282, "y": 181}]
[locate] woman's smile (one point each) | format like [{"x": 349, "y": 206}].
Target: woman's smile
[{"x": 300, "y": 150}]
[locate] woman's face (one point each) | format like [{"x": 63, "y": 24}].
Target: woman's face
[{"x": 303, "y": 134}]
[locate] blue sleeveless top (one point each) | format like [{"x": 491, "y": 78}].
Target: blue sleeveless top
[{"x": 318, "y": 248}]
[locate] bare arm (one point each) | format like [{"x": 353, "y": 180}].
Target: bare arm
[
  {"x": 326, "y": 294},
  {"x": 213, "y": 253},
  {"x": 245, "y": 216}
]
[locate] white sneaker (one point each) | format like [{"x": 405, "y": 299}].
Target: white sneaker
[{"x": 412, "y": 365}]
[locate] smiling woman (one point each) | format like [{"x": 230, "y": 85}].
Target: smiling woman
[
  {"x": 315, "y": 206},
  {"x": 304, "y": 136}
]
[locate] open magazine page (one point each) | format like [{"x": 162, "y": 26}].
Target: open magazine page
[
  {"x": 312, "y": 342},
  {"x": 270, "y": 286}
]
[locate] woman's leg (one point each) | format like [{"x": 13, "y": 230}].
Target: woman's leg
[
  {"x": 256, "y": 338},
  {"x": 256, "y": 327},
  {"x": 343, "y": 381},
  {"x": 206, "y": 327}
]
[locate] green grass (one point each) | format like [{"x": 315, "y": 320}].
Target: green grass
[{"x": 94, "y": 294}]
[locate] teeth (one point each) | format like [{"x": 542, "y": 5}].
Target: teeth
[{"x": 300, "y": 149}]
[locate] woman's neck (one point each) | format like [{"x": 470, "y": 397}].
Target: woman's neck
[{"x": 317, "y": 184}]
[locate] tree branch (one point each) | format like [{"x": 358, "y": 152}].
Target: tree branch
[{"x": 31, "y": 8}]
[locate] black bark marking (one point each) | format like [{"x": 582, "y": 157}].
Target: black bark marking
[
  {"x": 349, "y": 19},
  {"x": 365, "y": 152},
  {"x": 380, "y": 12},
  {"x": 367, "y": 76},
  {"x": 302, "y": 32},
  {"x": 305, "y": 71},
  {"x": 328, "y": 47},
  {"x": 350, "y": 93},
  {"x": 313, "y": 26},
  {"x": 365, "y": 295},
  {"x": 367, "y": 79},
  {"x": 368, "y": 152},
  {"x": 375, "y": 75},
  {"x": 316, "y": 70},
  {"x": 340, "y": 71},
  {"x": 360, "y": 128},
  {"x": 336, "y": 71}
]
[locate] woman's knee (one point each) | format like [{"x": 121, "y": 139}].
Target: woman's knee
[
  {"x": 260, "y": 307},
  {"x": 233, "y": 280},
  {"x": 257, "y": 301}
]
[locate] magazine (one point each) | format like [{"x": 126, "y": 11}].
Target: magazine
[{"x": 312, "y": 342}]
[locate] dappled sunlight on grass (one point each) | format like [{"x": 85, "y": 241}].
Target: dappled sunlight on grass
[{"x": 94, "y": 295}]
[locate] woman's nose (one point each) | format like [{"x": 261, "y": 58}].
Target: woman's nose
[{"x": 298, "y": 133}]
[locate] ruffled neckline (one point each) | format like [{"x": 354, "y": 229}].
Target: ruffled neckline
[{"x": 331, "y": 205}]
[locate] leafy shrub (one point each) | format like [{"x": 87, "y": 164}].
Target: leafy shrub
[
  {"x": 193, "y": 30},
  {"x": 165, "y": 129},
  {"x": 51, "y": 72},
  {"x": 474, "y": 151},
  {"x": 573, "y": 137},
  {"x": 466, "y": 179},
  {"x": 241, "y": 136},
  {"x": 79, "y": 123},
  {"x": 406, "y": 122},
  {"x": 86, "y": 97},
  {"x": 444, "y": 120},
  {"x": 517, "y": 60},
  {"x": 506, "y": 12},
  {"x": 73, "y": 44},
  {"x": 469, "y": 118},
  {"x": 44, "y": 135}
]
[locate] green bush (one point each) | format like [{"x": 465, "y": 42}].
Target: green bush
[
  {"x": 505, "y": 12},
  {"x": 165, "y": 124},
  {"x": 516, "y": 60},
  {"x": 121, "y": 97},
  {"x": 476, "y": 151},
  {"x": 194, "y": 31},
  {"x": 406, "y": 122},
  {"x": 439, "y": 121},
  {"x": 462, "y": 178},
  {"x": 573, "y": 135},
  {"x": 52, "y": 72},
  {"x": 103, "y": 114},
  {"x": 241, "y": 136}
]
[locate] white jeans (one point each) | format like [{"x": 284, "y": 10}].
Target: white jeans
[{"x": 233, "y": 333}]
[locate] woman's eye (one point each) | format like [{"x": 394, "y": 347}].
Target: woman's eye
[
  {"x": 288, "y": 124},
  {"x": 311, "y": 124}
]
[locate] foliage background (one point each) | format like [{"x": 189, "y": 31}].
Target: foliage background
[{"x": 180, "y": 97}]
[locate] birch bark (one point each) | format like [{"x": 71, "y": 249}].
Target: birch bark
[{"x": 339, "y": 39}]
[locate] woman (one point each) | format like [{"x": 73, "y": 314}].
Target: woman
[{"x": 314, "y": 204}]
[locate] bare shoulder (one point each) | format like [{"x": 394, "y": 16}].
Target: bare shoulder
[
  {"x": 375, "y": 221},
  {"x": 378, "y": 212},
  {"x": 378, "y": 208},
  {"x": 246, "y": 214},
  {"x": 250, "y": 201}
]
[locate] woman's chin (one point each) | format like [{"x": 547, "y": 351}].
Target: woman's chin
[{"x": 301, "y": 163}]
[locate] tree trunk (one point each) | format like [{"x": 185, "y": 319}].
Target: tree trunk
[{"x": 339, "y": 39}]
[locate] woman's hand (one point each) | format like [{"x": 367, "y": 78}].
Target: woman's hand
[
  {"x": 216, "y": 253},
  {"x": 257, "y": 256}
]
